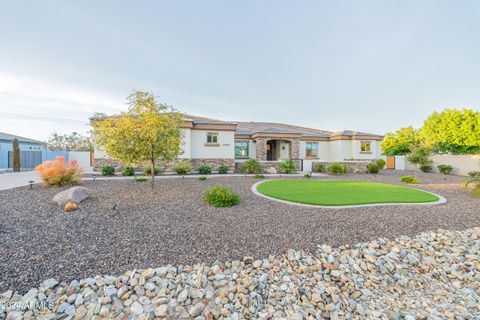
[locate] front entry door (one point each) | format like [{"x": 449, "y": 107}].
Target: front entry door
[{"x": 271, "y": 150}]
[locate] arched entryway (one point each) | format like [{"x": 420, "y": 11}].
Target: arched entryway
[{"x": 278, "y": 149}]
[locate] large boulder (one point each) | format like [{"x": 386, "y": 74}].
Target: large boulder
[
  {"x": 270, "y": 170},
  {"x": 74, "y": 194}
]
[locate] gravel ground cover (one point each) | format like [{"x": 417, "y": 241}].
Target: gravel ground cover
[
  {"x": 435, "y": 275},
  {"x": 174, "y": 226}
]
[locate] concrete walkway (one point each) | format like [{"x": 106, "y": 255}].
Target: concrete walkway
[
  {"x": 17, "y": 179},
  {"x": 20, "y": 179}
]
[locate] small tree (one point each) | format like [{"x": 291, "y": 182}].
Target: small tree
[
  {"x": 419, "y": 156},
  {"x": 148, "y": 131},
  {"x": 16, "y": 155}
]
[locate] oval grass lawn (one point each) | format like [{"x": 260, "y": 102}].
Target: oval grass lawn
[{"x": 341, "y": 192}]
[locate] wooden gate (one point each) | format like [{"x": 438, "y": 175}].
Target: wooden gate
[{"x": 390, "y": 162}]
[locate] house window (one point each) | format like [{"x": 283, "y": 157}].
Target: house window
[
  {"x": 241, "y": 149},
  {"x": 366, "y": 146},
  {"x": 212, "y": 137},
  {"x": 311, "y": 149}
]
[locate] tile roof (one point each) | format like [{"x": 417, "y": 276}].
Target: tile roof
[{"x": 10, "y": 137}]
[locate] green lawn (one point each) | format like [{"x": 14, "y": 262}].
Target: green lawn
[{"x": 341, "y": 192}]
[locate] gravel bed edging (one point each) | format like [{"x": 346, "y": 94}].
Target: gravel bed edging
[
  {"x": 433, "y": 275},
  {"x": 441, "y": 200}
]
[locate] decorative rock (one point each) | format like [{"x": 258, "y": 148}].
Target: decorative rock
[
  {"x": 270, "y": 170},
  {"x": 74, "y": 194}
]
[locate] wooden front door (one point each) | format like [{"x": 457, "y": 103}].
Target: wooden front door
[{"x": 390, "y": 162}]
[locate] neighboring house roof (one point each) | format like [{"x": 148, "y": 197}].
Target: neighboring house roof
[{"x": 10, "y": 137}]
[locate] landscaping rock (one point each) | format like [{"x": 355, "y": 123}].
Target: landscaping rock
[
  {"x": 349, "y": 282},
  {"x": 74, "y": 194},
  {"x": 270, "y": 170}
]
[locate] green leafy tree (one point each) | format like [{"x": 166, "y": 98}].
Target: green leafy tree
[
  {"x": 148, "y": 131},
  {"x": 419, "y": 156},
  {"x": 401, "y": 142},
  {"x": 16, "y": 155},
  {"x": 453, "y": 130},
  {"x": 70, "y": 142}
]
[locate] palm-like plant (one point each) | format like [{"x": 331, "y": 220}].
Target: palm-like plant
[{"x": 475, "y": 180}]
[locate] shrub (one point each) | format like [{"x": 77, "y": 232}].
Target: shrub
[
  {"x": 182, "y": 167},
  {"x": 319, "y": 167},
  {"x": 59, "y": 172},
  {"x": 140, "y": 179},
  {"x": 221, "y": 196},
  {"x": 202, "y": 178},
  {"x": 380, "y": 163},
  {"x": 476, "y": 192},
  {"x": 288, "y": 167},
  {"x": 223, "y": 169},
  {"x": 474, "y": 174},
  {"x": 259, "y": 176},
  {"x": 107, "y": 170},
  {"x": 128, "y": 171},
  {"x": 337, "y": 168},
  {"x": 307, "y": 175},
  {"x": 445, "y": 168},
  {"x": 426, "y": 167},
  {"x": 250, "y": 166},
  {"x": 147, "y": 170},
  {"x": 409, "y": 180},
  {"x": 205, "y": 169},
  {"x": 373, "y": 168}
]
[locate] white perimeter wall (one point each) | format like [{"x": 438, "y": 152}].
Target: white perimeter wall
[
  {"x": 461, "y": 164},
  {"x": 82, "y": 157}
]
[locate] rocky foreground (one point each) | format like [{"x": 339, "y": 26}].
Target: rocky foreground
[{"x": 433, "y": 274}]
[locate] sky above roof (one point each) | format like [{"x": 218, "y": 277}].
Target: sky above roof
[{"x": 370, "y": 66}]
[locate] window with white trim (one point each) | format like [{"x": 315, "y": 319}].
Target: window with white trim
[
  {"x": 241, "y": 149},
  {"x": 212, "y": 137},
  {"x": 366, "y": 146},
  {"x": 311, "y": 149}
]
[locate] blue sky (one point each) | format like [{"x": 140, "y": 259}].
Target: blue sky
[{"x": 365, "y": 65}]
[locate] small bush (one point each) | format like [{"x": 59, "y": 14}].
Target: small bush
[
  {"x": 380, "y": 163},
  {"x": 307, "y": 175},
  {"x": 372, "y": 168},
  {"x": 147, "y": 170},
  {"x": 182, "y": 167},
  {"x": 59, "y": 172},
  {"x": 223, "y": 169},
  {"x": 474, "y": 174},
  {"x": 205, "y": 169},
  {"x": 140, "y": 179},
  {"x": 445, "y": 168},
  {"x": 409, "y": 180},
  {"x": 107, "y": 170},
  {"x": 259, "y": 176},
  {"x": 319, "y": 167},
  {"x": 427, "y": 167},
  {"x": 202, "y": 178},
  {"x": 476, "y": 192},
  {"x": 128, "y": 171},
  {"x": 288, "y": 167},
  {"x": 221, "y": 196},
  {"x": 337, "y": 168},
  {"x": 70, "y": 206},
  {"x": 250, "y": 166}
]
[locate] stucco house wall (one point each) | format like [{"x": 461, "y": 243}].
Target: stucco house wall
[{"x": 225, "y": 148}]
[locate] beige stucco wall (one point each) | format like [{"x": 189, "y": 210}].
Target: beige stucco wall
[
  {"x": 461, "y": 164},
  {"x": 225, "y": 150}
]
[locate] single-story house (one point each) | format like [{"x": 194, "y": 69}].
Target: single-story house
[
  {"x": 31, "y": 152},
  {"x": 215, "y": 142}
]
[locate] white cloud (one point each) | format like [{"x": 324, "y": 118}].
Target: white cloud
[{"x": 39, "y": 106}]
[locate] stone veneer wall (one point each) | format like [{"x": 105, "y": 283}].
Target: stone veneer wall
[
  {"x": 166, "y": 165},
  {"x": 352, "y": 166},
  {"x": 261, "y": 147}
]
